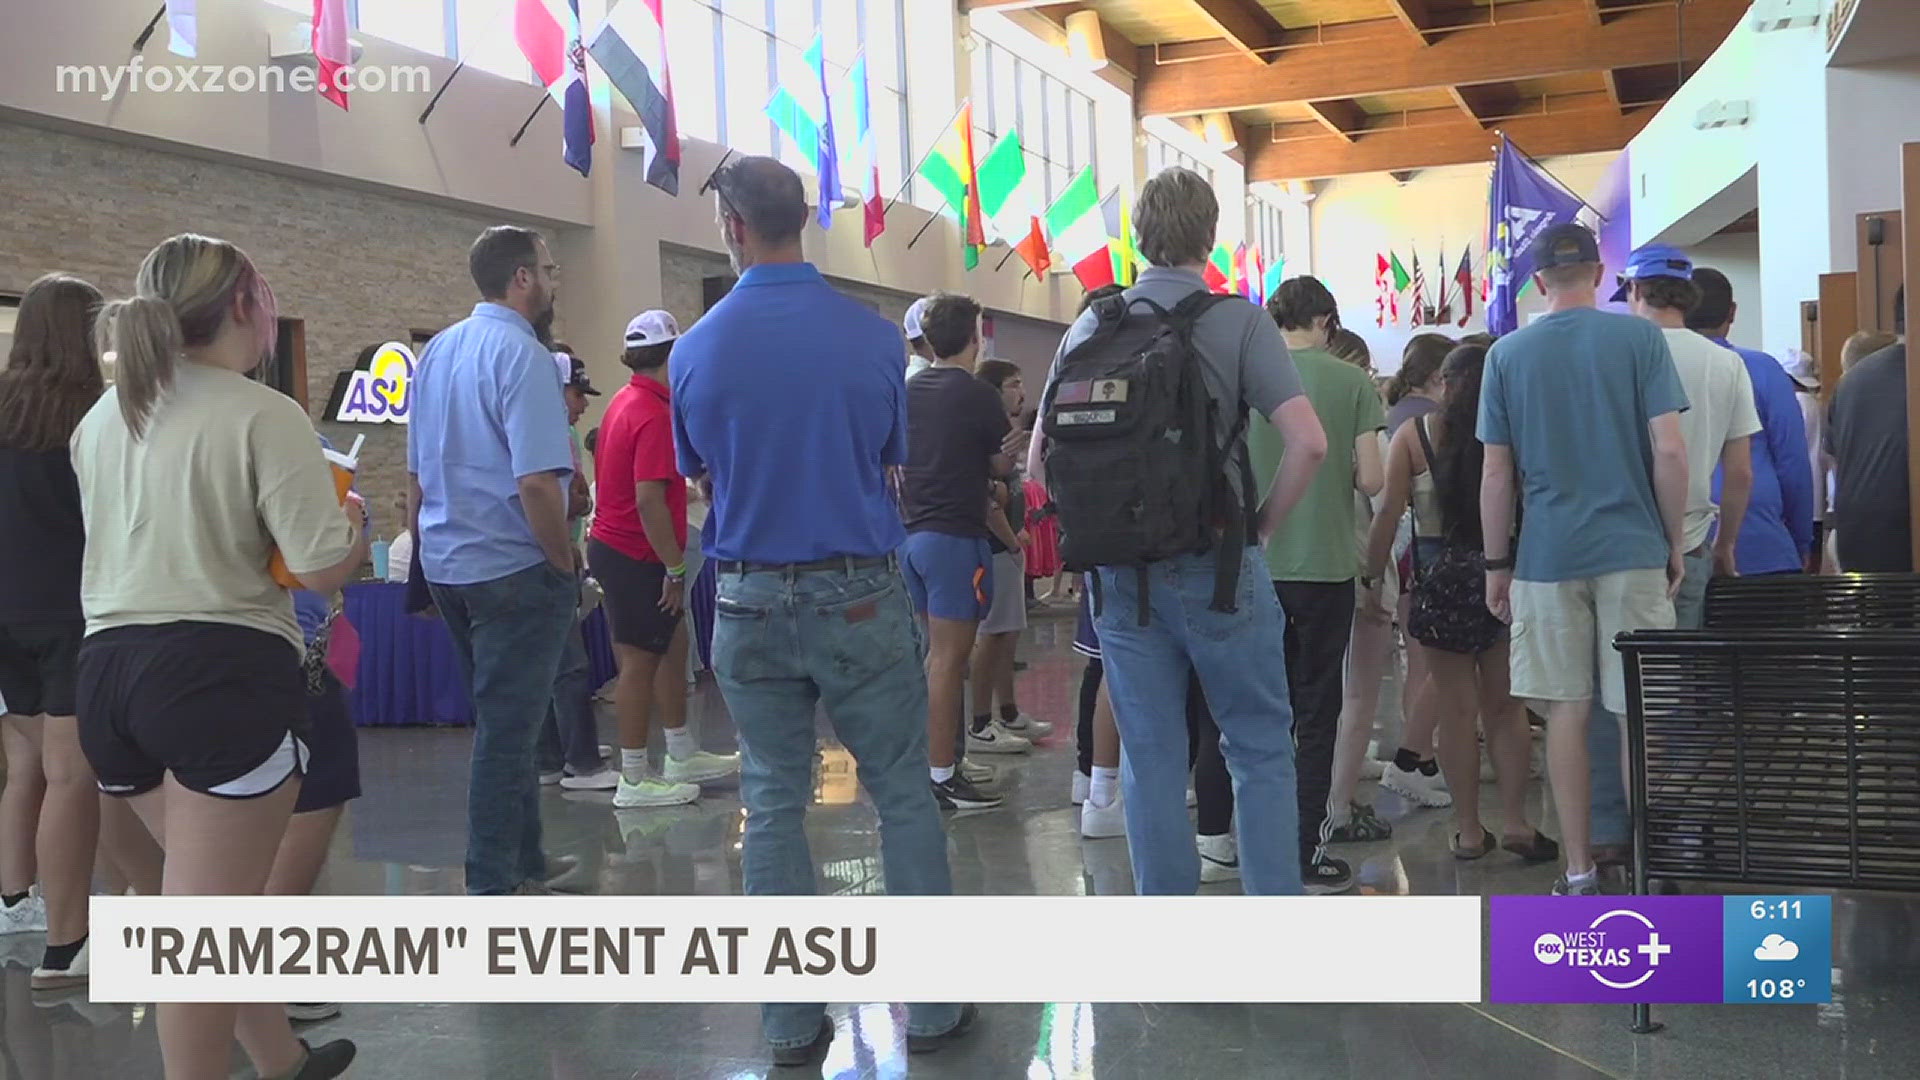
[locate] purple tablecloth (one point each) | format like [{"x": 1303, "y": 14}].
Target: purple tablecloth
[{"x": 408, "y": 671}]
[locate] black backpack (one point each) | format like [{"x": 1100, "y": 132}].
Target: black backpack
[{"x": 1134, "y": 461}]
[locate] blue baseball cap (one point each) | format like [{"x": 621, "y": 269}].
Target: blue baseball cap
[{"x": 1652, "y": 261}]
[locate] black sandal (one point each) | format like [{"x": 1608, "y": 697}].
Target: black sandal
[
  {"x": 1466, "y": 854},
  {"x": 1538, "y": 849}
]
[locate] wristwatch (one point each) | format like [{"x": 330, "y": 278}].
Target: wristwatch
[{"x": 1499, "y": 564}]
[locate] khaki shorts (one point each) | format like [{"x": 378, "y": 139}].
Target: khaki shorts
[{"x": 1563, "y": 633}]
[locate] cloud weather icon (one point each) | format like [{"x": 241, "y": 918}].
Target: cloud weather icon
[{"x": 1776, "y": 947}]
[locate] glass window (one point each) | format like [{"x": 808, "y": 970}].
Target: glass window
[
  {"x": 690, "y": 33},
  {"x": 745, "y": 55},
  {"x": 484, "y": 37},
  {"x": 417, "y": 24}
]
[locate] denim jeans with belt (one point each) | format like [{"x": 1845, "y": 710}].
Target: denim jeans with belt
[
  {"x": 1611, "y": 823},
  {"x": 784, "y": 643},
  {"x": 1241, "y": 660},
  {"x": 509, "y": 634}
]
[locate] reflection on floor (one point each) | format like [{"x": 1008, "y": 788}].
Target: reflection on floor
[{"x": 407, "y": 836}]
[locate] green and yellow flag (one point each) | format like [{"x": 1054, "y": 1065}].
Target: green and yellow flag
[{"x": 949, "y": 168}]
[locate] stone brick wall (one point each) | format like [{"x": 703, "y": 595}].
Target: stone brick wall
[{"x": 357, "y": 267}]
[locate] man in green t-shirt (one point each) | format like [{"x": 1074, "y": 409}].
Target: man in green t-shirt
[{"x": 1313, "y": 554}]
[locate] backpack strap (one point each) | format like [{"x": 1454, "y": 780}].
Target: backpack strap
[
  {"x": 1240, "y": 512},
  {"x": 1426, "y": 447}
]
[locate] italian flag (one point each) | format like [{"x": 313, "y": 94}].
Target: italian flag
[
  {"x": 1080, "y": 233},
  {"x": 1009, "y": 209},
  {"x": 949, "y": 168}
]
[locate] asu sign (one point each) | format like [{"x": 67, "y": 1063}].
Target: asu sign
[{"x": 378, "y": 390}]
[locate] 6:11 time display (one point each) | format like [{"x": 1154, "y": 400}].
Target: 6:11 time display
[{"x": 1775, "y": 909}]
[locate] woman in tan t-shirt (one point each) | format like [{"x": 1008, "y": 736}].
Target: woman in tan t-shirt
[{"x": 191, "y": 475}]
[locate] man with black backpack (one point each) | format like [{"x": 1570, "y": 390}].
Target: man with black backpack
[{"x": 1142, "y": 444}]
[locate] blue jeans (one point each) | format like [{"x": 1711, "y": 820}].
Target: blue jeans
[
  {"x": 1611, "y": 822},
  {"x": 783, "y": 644},
  {"x": 509, "y": 634},
  {"x": 570, "y": 736},
  {"x": 1241, "y": 660}
]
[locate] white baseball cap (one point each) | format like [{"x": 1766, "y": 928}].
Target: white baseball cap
[
  {"x": 651, "y": 328},
  {"x": 911, "y": 324}
]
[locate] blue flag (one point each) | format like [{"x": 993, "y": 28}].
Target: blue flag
[
  {"x": 1525, "y": 202},
  {"x": 826, "y": 155}
]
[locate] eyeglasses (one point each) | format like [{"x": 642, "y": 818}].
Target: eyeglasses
[{"x": 716, "y": 181}]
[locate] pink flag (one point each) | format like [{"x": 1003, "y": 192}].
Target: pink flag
[{"x": 331, "y": 49}]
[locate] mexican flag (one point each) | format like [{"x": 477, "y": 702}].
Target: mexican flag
[
  {"x": 1079, "y": 234},
  {"x": 949, "y": 168},
  {"x": 1005, "y": 200}
]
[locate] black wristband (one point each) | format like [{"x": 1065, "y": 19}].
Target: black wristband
[{"x": 1499, "y": 564}]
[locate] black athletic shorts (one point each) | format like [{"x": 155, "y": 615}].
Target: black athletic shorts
[
  {"x": 632, "y": 590},
  {"x": 37, "y": 666},
  {"x": 333, "y": 751},
  {"x": 221, "y": 707}
]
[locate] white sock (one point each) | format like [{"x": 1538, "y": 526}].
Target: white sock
[
  {"x": 681, "y": 744},
  {"x": 633, "y": 765},
  {"x": 940, "y": 773},
  {"x": 1581, "y": 879},
  {"x": 1106, "y": 782}
]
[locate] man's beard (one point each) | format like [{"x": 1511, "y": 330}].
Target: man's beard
[{"x": 543, "y": 327}]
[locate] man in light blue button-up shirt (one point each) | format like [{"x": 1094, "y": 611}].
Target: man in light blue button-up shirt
[{"x": 488, "y": 451}]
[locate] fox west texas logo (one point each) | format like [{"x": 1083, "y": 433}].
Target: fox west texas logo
[
  {"x": 1621, "y": 949},
  {"x": 377, "y": 390}
]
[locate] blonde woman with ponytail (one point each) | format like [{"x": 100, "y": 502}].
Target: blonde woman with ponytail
[{"x": 191, "y": 474}]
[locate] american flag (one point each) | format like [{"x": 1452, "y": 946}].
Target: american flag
[{"x": 1419, "y": 292}]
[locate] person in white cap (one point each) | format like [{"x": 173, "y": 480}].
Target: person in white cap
[
  {"x": 637, "y": 552},
  {"x": 920, "y": 356}
]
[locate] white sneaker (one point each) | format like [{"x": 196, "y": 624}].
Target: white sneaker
[
  {"x": 699, "y": 767},
  {"x": 1416, "y": 787},
  {"x": 604, "y": 780},
  {"x": 978, "y": 772},
  {"x": 1371, "y": 768},
  {"x": 653, "y": 791},
  {"x": 1082, "y": 787},
  {"x": 548, "y": 779},
  {"x": 1219, "y": 859},
  {"x": 996, "y": 739},
  {"x": 74, "y": 974},
  {"x": 29, "y": 916},
  {"x": 1102, "y": 822},
  {"x": 1028, "y": 728}
]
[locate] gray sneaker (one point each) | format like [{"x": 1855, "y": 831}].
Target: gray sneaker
[{"x": 1564, "y": 887}]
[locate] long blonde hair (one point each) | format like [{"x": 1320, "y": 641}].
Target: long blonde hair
[{"x": 183, "y": 296}]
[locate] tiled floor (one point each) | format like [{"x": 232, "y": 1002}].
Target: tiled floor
[{"x": 407, "y": 836}]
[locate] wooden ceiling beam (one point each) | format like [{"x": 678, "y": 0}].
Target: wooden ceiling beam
[
  {"x": 1003, "y": 5},
  {"x": 1438, "y": 137},
  {"x": 1341, "y": 116},
  {"x": 1243, "y": 23},
  {"x": 1612, "y": 82},
  {"x": 1593, "y": 11},
  {"x": 1416, "y": 14},
  {"x": 1347, "y": 67}
]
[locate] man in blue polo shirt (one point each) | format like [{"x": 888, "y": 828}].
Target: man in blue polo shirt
[
  {"x": 488, "y": 451},
  {"x": 789, "y": 400},
  {"x": 1777, "y": 531}
]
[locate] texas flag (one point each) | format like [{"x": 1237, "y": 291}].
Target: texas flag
[{"x": 548, "y": 33}]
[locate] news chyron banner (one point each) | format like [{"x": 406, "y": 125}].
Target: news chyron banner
[{"x": 792, "y": 949}]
